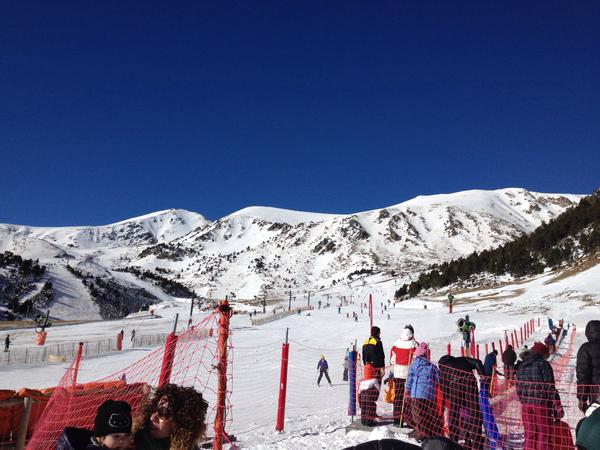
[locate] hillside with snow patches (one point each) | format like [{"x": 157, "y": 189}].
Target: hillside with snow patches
[{"x": 261, "y": 250}]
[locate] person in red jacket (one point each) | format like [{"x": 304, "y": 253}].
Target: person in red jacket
[{"x": 401, "y": 356}]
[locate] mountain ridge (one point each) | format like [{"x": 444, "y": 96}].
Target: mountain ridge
[{"x": 260, "y": 251}]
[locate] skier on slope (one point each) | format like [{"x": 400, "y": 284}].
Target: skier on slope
[{"x": 323, "y": 369}]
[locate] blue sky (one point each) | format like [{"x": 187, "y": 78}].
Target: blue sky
[{"x": 110, "y": 110}]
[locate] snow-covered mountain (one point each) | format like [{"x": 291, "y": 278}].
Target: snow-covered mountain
[{"x": 260, "y": 249}]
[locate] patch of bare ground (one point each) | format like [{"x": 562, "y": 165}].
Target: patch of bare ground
[
  {"x": 580, "y": 266},
  {"x": 587, "y": 300}
]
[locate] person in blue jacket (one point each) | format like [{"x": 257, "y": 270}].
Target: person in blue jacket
[
  {"x": 490, "y": 368},
  {"x": 423, "y": 378},
  {"x": 323, "y": 369}
]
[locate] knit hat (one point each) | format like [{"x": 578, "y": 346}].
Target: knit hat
[
  {"x": 113, "y": 416},
  {"x": 369, "y": 372},
  {"x": 421, "y": 350},
  {"x": 541, "y": 349}
]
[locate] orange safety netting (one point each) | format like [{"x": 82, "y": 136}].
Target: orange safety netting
[
  {"x": 441, "y": 399},
  {"x": 195, "y": 364}
]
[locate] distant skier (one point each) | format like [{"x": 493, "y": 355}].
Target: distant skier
[
  {"x": 323, "y": 369},
  {"x": 7, "y": 342},
  {"x": 132, "y": 335}
]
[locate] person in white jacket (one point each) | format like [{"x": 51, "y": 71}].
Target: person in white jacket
[{"x": 401, "y": 358}]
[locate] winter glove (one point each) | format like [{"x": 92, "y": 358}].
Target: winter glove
[
  {"x": 582, "y": 404},
  {"x": 559, "y": 413}
]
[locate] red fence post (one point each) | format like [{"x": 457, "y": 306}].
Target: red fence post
[
  {"x": 119, "y": 342},
  {"x": 449, "y": 349},
  {"x": 168, "y": 355},
  {"x": 282, "y": 383},
  {"x": 500, "y": 346},
  {"x": 486, "y": 348},
  {"x": 77, "y": 361},
  {"x": 462, "y": 351},
  {"x": 477, "y": 351},
  {"x": 512, "y": 339},
  {"x": 493, "y": 346},
  {"x": 219, "y": 426},
  {"x": 521, "y": 336},
  {"x": 506, "y": 338}
]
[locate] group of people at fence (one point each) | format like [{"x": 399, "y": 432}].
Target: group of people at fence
[
  {"x": 173, "y": 418},
  {"x": 453, "y": 399}
]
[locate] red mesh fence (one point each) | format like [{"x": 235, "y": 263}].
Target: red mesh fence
[
  {"x": 195, "y": 364},
  {"x": 453, "y": 399}
]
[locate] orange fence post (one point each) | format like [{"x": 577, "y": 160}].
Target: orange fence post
[{"x": 219, "y": 426}]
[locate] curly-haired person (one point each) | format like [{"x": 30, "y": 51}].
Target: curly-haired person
[{"x": 173, "y": 419}]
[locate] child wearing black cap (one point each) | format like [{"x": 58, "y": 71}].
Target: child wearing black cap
[{"x": 112, "y": 429}]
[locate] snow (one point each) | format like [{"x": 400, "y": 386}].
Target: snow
[
  {"x": 278, "y": 215},
  {"x": 316, "y": 416},
  {"x": 295, "y": 248}
]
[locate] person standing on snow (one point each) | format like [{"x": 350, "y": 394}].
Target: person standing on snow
[
  {"x": 7, "y": 342},
  {"x": 489, "y": 369},
  {"x": 540, "y": 402},
  {"x": 509, "y": 358},
  {"x": 323, "y": 369},
  {"x": 588, "y": 367},
  {"x": 461, "y": 392},
  {"x": 346, "y": 367},
  {"x": 466, "y": 332},
  {"x": 372, "y": 353},
  {"x": 368, "y": 392},
  {"x": 423, "y": 377},
  {"x": 401, "y": 356}
]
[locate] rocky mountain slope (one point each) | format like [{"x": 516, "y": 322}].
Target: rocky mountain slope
[{"x": 260, "y": 250}]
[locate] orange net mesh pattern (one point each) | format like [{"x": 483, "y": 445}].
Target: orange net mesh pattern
[
  {"x": 195, "y": 364},
  {"x": 476, "y": 411}
]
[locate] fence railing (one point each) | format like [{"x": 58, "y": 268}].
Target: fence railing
[
  {"x": 66, "y": 351},
  {"x": 279, "y": 315}
]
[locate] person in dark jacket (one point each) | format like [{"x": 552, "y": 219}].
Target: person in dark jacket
[
  {"x": 540, "y": 402},
  {"x": 112, "y": 429},
  {"x": 440, "y": 443},
  {"x": 550, "y": 342},
  {"x": 509, "y": 358},
  {"x": 323, "y": 369},
  {"x": 490, "y": 369},
  {"x": 459, "y": 387},
  {"x": 173, "y": 419},
  {"x": 372, "y": 352},
  {"x": 588, "y": 429},
  {"x": 384, "y": 444},
  {"x": 588, "y": 366}
]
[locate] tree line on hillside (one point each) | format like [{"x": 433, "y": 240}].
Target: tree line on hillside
[
  {"x": 26, "y": 266},
  {"x": 171, "y": 287},
  {"x": 577, "y": 230}
]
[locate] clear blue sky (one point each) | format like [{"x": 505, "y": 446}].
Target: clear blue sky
[{"x": 112, "y": 109}]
